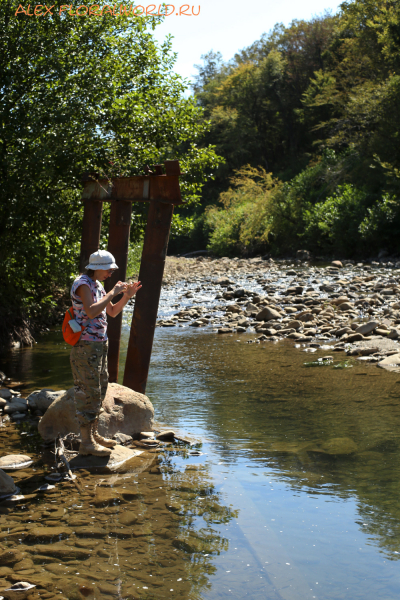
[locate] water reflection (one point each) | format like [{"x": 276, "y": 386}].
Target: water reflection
[
  {"x": 309, "y": 458},
  {"x": 327, "y": 430},
  {"x": 126, "y": 535}
]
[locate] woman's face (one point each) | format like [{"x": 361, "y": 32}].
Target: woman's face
[{"x": 102, "y": 275}]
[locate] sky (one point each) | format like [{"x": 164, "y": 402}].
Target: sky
[{"x": 229, "y": 26}]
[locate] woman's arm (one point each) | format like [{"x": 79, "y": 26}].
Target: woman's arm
[
  {"x": 114, "y": 309},
  {"x": 93, "y": 309}
]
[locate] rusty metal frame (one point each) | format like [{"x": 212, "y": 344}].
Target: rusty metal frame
[{"x": 162, "y": 192}]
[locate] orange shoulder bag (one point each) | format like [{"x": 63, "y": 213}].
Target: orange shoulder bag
[{"x": 70, "y": 331}]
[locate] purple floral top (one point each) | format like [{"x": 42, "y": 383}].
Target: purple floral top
[{"x": 95, "y": 329}]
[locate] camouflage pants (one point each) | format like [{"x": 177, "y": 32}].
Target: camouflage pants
[{"x": 89, "y": 369}]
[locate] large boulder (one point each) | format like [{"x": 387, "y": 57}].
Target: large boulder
[{"x": 125, "y": 411}]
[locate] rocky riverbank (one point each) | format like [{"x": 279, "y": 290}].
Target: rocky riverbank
[{"x": 345, "y": 306}]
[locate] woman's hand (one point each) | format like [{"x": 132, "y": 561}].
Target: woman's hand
[
  {"x": 120, "y": 287},
  {"x": 132, "y": 288}
]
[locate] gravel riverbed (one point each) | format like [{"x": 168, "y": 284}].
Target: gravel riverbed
[{"x": 347, "y": 307}]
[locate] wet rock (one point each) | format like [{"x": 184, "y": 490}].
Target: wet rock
[
  {"x": 42, "y": 399},
  {"x": 10, "y": 557},
  {"x": 26, "y": 563},
  {"x": 119, "y": 455},
  {"x": 15, "y": 406},
  {"x": 7, "y": 485},
  {"x": 390, "y": 363},
  {"x": 337, "y": 263},
  {"x": 128, "y": 518},
  {"x": 61, "y": 550},
  {"x": 225, "y": 330},
  {"x": 17, "y": 416},
  {"x": 48, "y": 534},
  {"x": 5, "y": 394},
  {"x": 12, "y": 462},
  {"x": 19, "y": 591},
  {"x": 340, "y": 445},
  {"x": 122, "y": 438},
  {"x": 166, "y": 436},
  {"x": 125, "y": 411},
  {"x": 268, "y": 314}
]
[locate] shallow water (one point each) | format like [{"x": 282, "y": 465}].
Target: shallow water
[{"x": 295, "y": 494}]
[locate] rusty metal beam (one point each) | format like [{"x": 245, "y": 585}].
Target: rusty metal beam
[
  {"x": 162, "y": 188},
  {"x": 91, "y": 228},
  {"x": 151, "y": 274},
  {"x": 118, "y": 245}
]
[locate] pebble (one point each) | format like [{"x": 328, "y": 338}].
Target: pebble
[{"x": 15, "y": 461}]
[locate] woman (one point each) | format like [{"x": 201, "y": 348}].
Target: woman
[{"x": 91, "y": 304}]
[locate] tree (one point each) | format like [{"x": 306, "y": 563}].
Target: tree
[{"x": 79, "y": 93}]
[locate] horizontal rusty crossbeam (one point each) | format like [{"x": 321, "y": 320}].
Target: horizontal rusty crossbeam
[{"x": 141, "y": 188}]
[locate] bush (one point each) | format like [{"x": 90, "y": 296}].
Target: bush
[{"x": 243, "y": 223}]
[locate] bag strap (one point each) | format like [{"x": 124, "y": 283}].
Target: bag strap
[{"x": 73, "y": 317}]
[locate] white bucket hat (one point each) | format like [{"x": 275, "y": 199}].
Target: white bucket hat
[{"x": 101, "y": 260}]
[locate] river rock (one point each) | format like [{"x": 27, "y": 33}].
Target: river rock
[
  {"x": 367, "y": 328},
  {"x": 48, "y": 534},
  {"x": 342, "y": 445},
  {"x": 166, "y": 436},
  {"x": 11, "y": 462},
  {"x": 233, "y": 308},
  {"x": 393, "y": 334},
  {"x": 119, "y": 455},
  {"x": 122, "y": 438},
  {"x": 391, "y": 363},
  {"x": 267, "y": 314},
  {"x": 125, "y": 411},
  {"x": 10, "y": 557},
  {"x": 19, "y": 591},
  {"x": 7, "y": 485},
  {"x": 345, "y": 306},
  {"x": 41, "y": 399},
  {"x": 6, "y": 394},
  {"x": 354, "y": 337},
  {"x": 19, "y": 405}
]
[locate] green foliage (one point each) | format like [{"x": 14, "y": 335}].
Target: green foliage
[
  {"x": 333, "y": 225},
  {"x": 134, "y": 258},
  {"x": 316, "y": 104},
  {"x": 243, "y": 223},
  {"x": 77, "y": 94}
]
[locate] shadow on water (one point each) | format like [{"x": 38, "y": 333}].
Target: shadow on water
[{"x": 277, "y": 437}]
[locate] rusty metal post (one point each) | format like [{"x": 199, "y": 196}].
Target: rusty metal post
[
  {"x": 147, "y": 300},
  {"x": 91, "y": 228},
  {"x": 118, "y": 245}
]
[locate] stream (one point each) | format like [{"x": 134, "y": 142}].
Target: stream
[{"x": 292, "y": 492}]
